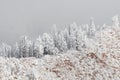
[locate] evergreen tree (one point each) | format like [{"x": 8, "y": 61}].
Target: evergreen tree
[
  {"x": 62, "y": 45},
  {"x": 38, "y": 48},
  {"x": 66, "y": 36},
  {"x": 72, "y": 36},
  {"x": 48, "y": 44},
  {"x": 115, "y": 21},
  {"x": 79, "y": 38},
  {"x": 55, "y": 35},
  {"x": 91, "y": 31},
  {"x": 25, "y": 47},
  {"x": 5, "y": 50},
  {"x": 15, "y": 51}
]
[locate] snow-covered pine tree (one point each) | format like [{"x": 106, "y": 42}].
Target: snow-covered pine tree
[
  {"x": 79, "y": 34},
  {"x": 85, "y": 27},
  {"x": 72, "y": 36},
  {"x": 48, "y": 44},
  {"x": 25, "y": 47},
  {"x": 38, "y": 48},
  {"x": 5, "y": 50},
  {"x": 115, "y": 21},
  {"x": 55, "y": 35},
  {"x": 15, "y": 51},
  {"x": 30, "y": 45},
  {"x": 66, "y": 36},
  {"x": 92, "y": 29},
  {"x": 62, "y": 45}
]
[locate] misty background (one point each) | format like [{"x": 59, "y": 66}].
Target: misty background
[{"x": 34, "y": 17}]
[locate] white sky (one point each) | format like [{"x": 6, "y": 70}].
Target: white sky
[{"x": 33, "y": 17}]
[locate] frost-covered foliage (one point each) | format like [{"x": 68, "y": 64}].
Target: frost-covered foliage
[
  {"x": 71, "y": 65},
  {"x": 38, "y": 48},
  {"x": 25, "y": 47},
  {"x": 83, "y": 38}
]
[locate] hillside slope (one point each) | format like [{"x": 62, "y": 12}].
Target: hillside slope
[{"x": 69, "y": 66}]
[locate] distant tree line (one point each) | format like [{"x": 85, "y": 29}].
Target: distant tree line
[{"x": 73, "y": 37}]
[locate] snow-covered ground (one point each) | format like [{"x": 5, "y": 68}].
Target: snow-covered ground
[{"x": 69, "y": 66}]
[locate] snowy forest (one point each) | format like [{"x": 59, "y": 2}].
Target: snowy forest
[
  {"x": 73, "y": 37},
  {"x": 78, "y": 52}
]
